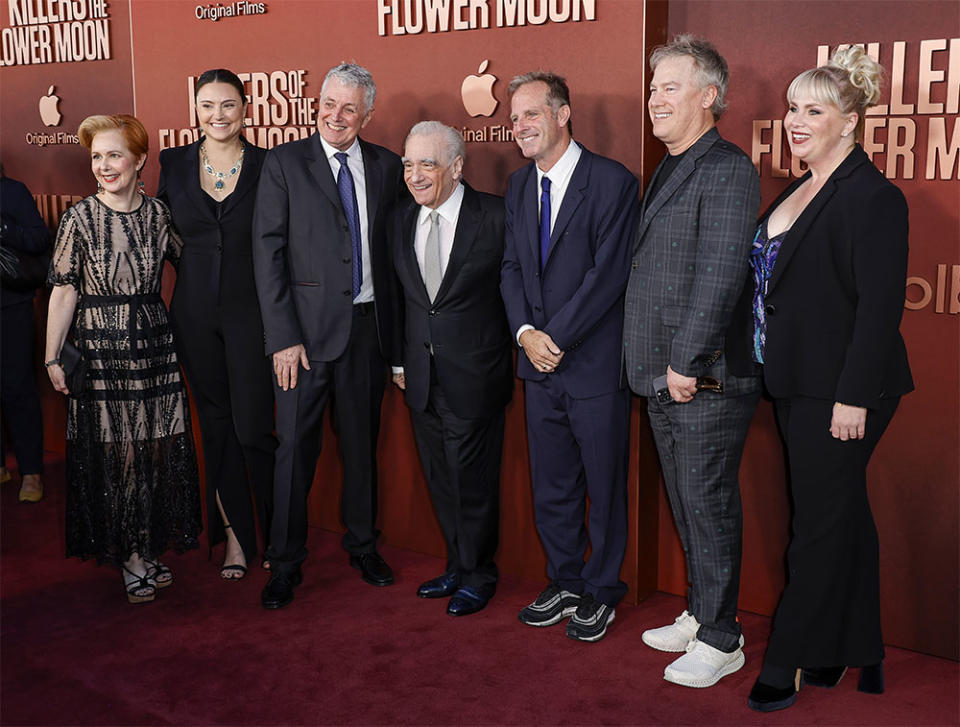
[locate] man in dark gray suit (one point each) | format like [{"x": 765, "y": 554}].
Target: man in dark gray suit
[
  {"x": 325, "y": 286},
  {"x": 690, "y": 261}
]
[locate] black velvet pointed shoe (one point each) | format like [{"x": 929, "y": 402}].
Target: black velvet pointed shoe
[
  {"x": 871, "y": 679},
  {"x": 764, "y": 698},
  {"x": 827, "y": 677}
]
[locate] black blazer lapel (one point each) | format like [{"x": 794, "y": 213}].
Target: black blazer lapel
[
  {"x": 801, "y": 225},
  {"x": 408, "y": 251},
  {"x": 373, "y": 184},
  {"x": 468, "y": 225},
  {"x": 320, "y": 170},
  {"x": 249, "y": 174},
  {"x": 191, "y": 174}
]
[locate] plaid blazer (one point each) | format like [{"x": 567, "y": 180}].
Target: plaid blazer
[{"x": 690, "y": 262}]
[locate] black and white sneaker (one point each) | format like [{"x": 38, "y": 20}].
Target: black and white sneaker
[
  {"x": 590, "y": 621},
  {"x": 551, "y": 606}
]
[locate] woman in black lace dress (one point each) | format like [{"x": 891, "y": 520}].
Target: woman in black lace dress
[{"x": 132, "y": 485}]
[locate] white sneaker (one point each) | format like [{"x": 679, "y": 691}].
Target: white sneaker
[
  {"x": 674, "y": 637},
  {"x": 703, "y": 666}
]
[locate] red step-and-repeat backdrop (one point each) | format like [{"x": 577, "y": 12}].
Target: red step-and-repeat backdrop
[{"x": 452, "y": 60}]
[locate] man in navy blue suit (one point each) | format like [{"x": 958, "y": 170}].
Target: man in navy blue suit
[{"x": 569, "y": 218}]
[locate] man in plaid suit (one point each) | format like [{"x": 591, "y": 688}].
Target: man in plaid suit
[{"x": 690, "y": 263}]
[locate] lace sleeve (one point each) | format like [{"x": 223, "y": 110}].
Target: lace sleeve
[
  {"x": 171, "y": 242},
  {"x": 66, "y": 265}
]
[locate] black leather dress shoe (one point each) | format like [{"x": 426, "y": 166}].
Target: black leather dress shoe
[
  {"x": 439, "y": 587},
  {"x": 469, "y": 599},
  {"x": 373, "y": 568},
  {"x": 279, "y": 589}
]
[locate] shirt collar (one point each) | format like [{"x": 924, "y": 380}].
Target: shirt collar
[
  {"x": 448, "y": 210},
  {"x": 353, "y": 152},
  {"x": 564, "y": 166}
]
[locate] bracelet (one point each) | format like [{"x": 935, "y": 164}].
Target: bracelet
[{"x": 52, "y": 362}]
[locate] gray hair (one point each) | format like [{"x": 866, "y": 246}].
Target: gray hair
[
  {"x": 452, "y": 141},
  {"x": 711, "y": 66},
  {"x": 351, "y": 74}
]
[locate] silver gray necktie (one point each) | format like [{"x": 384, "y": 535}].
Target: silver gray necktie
[{"x": 432, "y": 274}]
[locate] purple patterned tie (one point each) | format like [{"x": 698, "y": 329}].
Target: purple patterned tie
[{"x": 348, "y": 197}]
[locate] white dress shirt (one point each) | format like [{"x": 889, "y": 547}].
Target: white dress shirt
[
  {"x": 355, "y": 164},
  {"x": 448, "y": 215},
  {"x": 559, "y": 176}
]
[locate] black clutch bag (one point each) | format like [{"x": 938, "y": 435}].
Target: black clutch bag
[
  {"x": 23, "y": 271},
  {"x": 74, "y": 367}
]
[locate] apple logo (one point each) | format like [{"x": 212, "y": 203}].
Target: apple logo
[
  {"x": 477, "y": 93},
  {"x": 48, "y": 108}
]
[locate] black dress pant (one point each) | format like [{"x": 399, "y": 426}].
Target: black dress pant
[
  {"x": 356, "y": 382},
  {"x": 461, "y": 463},
  {"x": 829, "y": 614},
  {"x": 18, "y": 388},
  {"x": 229, "y": 378}
]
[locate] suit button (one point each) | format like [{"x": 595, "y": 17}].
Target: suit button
[
  {"x": 770, "y": 308},
  {"x": 537, "y": 275},
  {"x": 346, "y": 228},
  {"x": 346, "y": 260},
  {"x": 426, "y": 344},
  {"x": 635, "y": 265},
  {"x": 536, "y": 308},
  {"x": 433, "y": 314},
  {"x": 348, "y": 292}
]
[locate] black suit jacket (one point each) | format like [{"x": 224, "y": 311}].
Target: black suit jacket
[
  {"x": 23, "y": 230},
  {"x": 216, "y": 266},
  {"x": 835, "y": 297},
  {"x": 302, "y": 251},
  {"x": 466, "y": 323}
]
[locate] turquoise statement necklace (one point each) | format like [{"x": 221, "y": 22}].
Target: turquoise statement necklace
[{"x": 220, "y": 176}]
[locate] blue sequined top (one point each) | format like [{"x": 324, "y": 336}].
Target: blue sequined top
[{"x": 763, "y": 256}]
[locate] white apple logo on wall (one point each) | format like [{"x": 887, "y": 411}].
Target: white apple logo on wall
[
  {"x": 477, "y": 93},
  {"x": 49, "y": 113}
]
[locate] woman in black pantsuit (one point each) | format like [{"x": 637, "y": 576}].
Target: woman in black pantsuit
[
  {"x": 210, "y": 187},
  {"x": 830, "y": 260}
]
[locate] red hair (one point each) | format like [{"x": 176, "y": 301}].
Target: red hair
[{"x": 134, "y": 135}]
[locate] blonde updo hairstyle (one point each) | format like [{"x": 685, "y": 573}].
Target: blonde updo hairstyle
[
  {"x": 850, "y": 82},
  {"x": 134, "y": 135}
]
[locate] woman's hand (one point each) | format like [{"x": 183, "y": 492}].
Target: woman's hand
[
  {"x": 58, "y": 378},
  {"x": 848, "y": 422}
]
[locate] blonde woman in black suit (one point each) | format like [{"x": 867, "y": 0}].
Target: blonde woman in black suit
[
  {"x": 210, "y": 186},
  {"x": 830, "y": 260}
]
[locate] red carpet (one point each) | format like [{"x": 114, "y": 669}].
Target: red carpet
[{"x": 74, "y": 652}]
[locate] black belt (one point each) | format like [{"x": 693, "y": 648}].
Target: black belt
[
  {"x": 363, "y": 309},
  {"x": 134, "y": 301}
]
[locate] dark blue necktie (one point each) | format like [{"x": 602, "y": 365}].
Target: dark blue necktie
[
  {"x": 348, "y": 197},
  {"x": 544, "y": 221}
]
